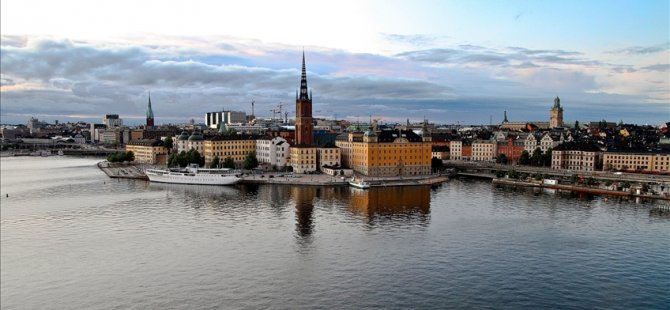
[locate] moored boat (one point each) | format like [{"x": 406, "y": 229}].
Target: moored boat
[
  {"x": 194, "y": 175},
  {"x": 359, "y": 183}
]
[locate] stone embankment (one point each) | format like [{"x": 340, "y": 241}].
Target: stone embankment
[
  {"x": 327, "y": 180},
  {"x": 120, "y": 170},
  {"x": 582, "y": 189}
]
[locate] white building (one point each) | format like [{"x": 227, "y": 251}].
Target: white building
[
  {"x": 273, "y": 152},
  {"x": 112, "y": 120},
  {"x": 213, "y": 119},
  {"x": 456, "y": 149},
  {"x": 484, "y": 150},
  {"x": 576, "y": 157}
]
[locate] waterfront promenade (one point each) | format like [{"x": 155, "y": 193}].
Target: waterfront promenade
[{"x": 136, "y": 171}]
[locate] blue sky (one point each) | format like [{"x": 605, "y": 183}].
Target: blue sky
[{"x": 450, "y": 61}]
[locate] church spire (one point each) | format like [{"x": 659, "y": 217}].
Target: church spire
[
  {"x": 150, "y": 114},
  {"x": 303, "y": 80}
]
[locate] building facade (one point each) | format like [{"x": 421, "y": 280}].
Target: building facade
[
  {"x": 273, "y": 152},
  {"x": 151, "y": 152},
  {"x": 637, "y": 161},
  {"x": 215, "y": 119},
  {"x": 484, "y": 150},
  {"x": 112, "y": 120},
  {"x": 387, "y": 153},
  {"x": 328, "y": 156},
  {"x": 236, "y": 147},
  {"x": 576, "y": 156},
  {"x": 456, "y": 149}
]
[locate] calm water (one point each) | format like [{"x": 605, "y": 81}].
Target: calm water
[{"x": 74, "y": 239}]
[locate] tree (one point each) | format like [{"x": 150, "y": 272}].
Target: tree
[
  {"x": 501, "y": 159},
  {"x": 576, "y": 125},
  {"x": 250, "y": 162},
  {"x": 193, "y": 157},
  {"x": 228, "y": 162},
  {"x": 436, "y": 164},
  {"x": 525, "y": 158},
  {"x": 168, "y": 143},
  {"x": 536, "y": 159},
  {"x": 546, "y": 158},
  {"x": 215, "y": 162},
  {"x": 130, "y": 156}
]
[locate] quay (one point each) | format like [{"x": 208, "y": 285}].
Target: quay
[
  {"x": 123, "y": 171},
  {"x": 580, "y": 189},
  {"x": 135, "y": 171}
]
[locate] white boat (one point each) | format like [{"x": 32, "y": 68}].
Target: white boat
[
  {"x": 194, "y": 175},
  {"x": 359, "y": 184},
  {"x": 60, "y": 153}
]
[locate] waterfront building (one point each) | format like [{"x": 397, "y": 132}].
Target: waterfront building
[
  {"x": 303, "y": 152},
  {"x": 440, "y": 152},
  {"x": 273, "y": 152},
  {"x": 328, "y": 157},
  {"x": 484, "y": 150},
  {"x": 576, "y": 156},
  {"x": 550, "y": 140},
  {"x": 456, "y": 149},
  {"x": 532, "y": 142},
  {"x": 112, "y": 120},
  {"x": 387, "y": 153},
  {"x": 236, "y": 147},
  {"x": 148, "y": 151},
  {"x": 637, "y": 160},
  {"x": 512, "y": 147},
  {"x": 186, "y": 142},
  {"x": 150, "y": 114},
  {"x": 556, "y": 115}
]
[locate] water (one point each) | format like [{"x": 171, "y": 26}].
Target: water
[{"x": 73, "y": 238}]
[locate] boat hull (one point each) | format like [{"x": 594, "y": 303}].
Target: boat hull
[{"x": 189, "y": 178}]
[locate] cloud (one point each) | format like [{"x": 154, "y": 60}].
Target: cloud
[
  {"x": 188, "y": 76},
  {"x": 658, "y": 67},
  {"x": 642, "y": 50},
  {"x": 412, "y": 39}
]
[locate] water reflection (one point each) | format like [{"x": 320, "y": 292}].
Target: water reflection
[
  {"x": 392, "y": 205},
  {"x": 304, "y": 208}
]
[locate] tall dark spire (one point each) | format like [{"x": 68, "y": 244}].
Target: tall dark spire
[
  {"x": 505, "y": 120},
  {"x": 150, "y": 114},
  {"x": 303, "y": 80}
]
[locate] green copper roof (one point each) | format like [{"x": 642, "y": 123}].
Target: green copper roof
[{"x": 150, "y": 112}]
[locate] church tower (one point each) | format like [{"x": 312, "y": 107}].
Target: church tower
[
  {"x": 304, "y": 126},
  {"x": 556, "y": 116},
  {"x": 150, "y": 114}
]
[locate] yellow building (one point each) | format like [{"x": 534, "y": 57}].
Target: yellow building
[
  {"x": 148, "y": 151},
  {"x": 639, "y": 161},
  {"x": 303, "y": 159},
  {"x": 387, "y": 153},
  {"x": 236, "y": 147}
]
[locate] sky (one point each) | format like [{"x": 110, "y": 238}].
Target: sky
[{"x": 451, "y": 62}]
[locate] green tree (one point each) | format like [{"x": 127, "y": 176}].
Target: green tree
[
  {"x": 169, "y": 143},
  {"x": 500, "y": 174},
  {"x": 228, "y": 162},
  {"x": 250, "y": 162},
  {"x": 129, "y": 156},
  {"x": 501, "y": 159},
  {"x": 546, "y": 158},
  {"x": 536, "y": 159},
  {"x": 525, "y": 158},
  {"x": 193, "y": 157},
  {"x": 215, "y": 162},
  {"x": 574, "y": 179},
  {"x": 436, "y": 164}
]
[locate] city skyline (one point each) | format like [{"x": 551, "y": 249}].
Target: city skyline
[{"x": 450, "y": 62}]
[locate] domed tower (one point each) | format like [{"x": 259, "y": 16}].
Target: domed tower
[
  {"x": 556, "y": 116},
  {"x": 425, "y": 133}
]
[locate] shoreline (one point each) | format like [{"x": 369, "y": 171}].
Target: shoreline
[
  {"x": 136, "y": 171},
  {"x": 579, "y": 189}
]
